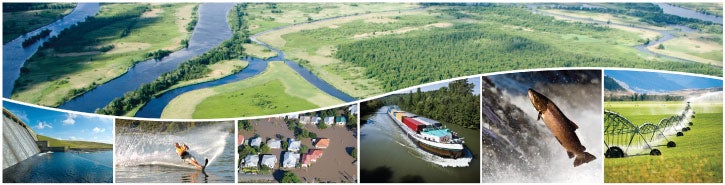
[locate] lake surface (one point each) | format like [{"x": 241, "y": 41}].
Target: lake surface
[
  {"x": 388, "y": 155},
  {"x": 63, "y": 167},
  {"x": 15, "y": 55},
  {"x": 212, "y": 28}
]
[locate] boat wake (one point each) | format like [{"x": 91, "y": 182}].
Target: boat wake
[
  {"x": 149, "y": 149},
  {"x": 401, "y": 139}
]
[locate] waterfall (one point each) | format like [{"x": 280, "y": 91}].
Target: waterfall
[{"x": 18, "y": 143}]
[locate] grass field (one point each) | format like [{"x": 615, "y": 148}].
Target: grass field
[
  {"x": 18, "y": 23},
  {"x": 74, "y": 144},
  {"x": 265, "y": 16},
  {"x": 258, "y": 51},
  {"x": 55, "y": 77},
  {"x": 694, "y": 47},
  {"x": 277, "y": 90},
  {"x": 697, "y": 157},
  {"x": 217, "y": 71}
]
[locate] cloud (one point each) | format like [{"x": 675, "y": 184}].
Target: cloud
[
  {"x": 42, "y": 125},
  {"x": 72, "y": 138},
  {"x": 70, "y": 119},
  {"x": 98, "y": 130}
]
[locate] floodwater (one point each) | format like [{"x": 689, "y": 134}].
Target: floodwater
[
  {"x": 336, "y": 165},
  {"x": 150, "y": 158},
  {"x": 211, "y": 29},
  {"x": 388, "y": 155},
  {"x": 63, "y": 167},
  {"x": 15, "y": 54}
]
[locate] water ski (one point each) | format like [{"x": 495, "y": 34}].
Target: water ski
[{"x": 206, "y": 162}]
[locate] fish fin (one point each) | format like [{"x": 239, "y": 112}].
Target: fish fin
[
  {"x": 583, "y": 158},
  {"x": 571, "y": 154},
  {"x": 573, "y": 125},
  {"x": 539, "y": 116}
]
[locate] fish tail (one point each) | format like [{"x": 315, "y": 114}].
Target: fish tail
[{"x": 583, "y": 158}]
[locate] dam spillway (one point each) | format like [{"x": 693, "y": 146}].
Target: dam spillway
[{"x": 18, "y": 140}]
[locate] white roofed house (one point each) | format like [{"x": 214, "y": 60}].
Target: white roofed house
[
  {"x": 274, "y": 143},
  {"x": 305, "y": 119},
  {"x": 294, "y": 146},
  {"x": 251, "y": 161},
  {"x": 329, "y": 120},
  {"x": 290, "y": 160},
  {"x": 269, "y": 161},
  {"x": 315, "y": 120},
  {"x": 255, "y": 142}
]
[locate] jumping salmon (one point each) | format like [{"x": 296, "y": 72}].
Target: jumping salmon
[{"x": 562, "y": 128}]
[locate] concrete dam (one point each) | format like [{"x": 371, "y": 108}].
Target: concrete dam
[{"x": 19, "y": 140}]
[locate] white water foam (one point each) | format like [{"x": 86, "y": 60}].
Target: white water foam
[
  {"x": 398, "y": 135},
  {"x": 139, "y": 149}
]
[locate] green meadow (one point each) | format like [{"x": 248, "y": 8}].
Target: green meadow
[
  {"x": 52, "y": 142},
  {"x": 278, "y": 89}
]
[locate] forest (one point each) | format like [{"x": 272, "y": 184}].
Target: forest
[
  {"x": 192, "y": 69},
  {"x": 74, "y": 38},
  {"x": 454, "y": 104},
  {"x": 400, "y": 61},
  {"x": 610, "y": 84}
]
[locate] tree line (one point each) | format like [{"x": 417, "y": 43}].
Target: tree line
[
  {"x": 73, "y": 39},
  {"x": 18, "y": 7},
  {"x": 146, "y": 126},
  {"x": 643, "y": 97},
  {"x": 454, "y": 104},
  {"x": 192, "y": 69}
]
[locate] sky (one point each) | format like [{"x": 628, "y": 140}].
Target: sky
[
  {"x": 658, "y": 82},
  {"x": 475, "y": 80},
  {"x": 62, "y": 125}
]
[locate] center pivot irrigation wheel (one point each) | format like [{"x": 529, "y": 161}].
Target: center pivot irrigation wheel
[
  {"x": 671, "y": 144},
  {"x": 614, "y": 152},
  {"x": 655, "y": 152}
]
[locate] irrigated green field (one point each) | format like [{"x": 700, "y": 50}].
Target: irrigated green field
[{"x": 697, "y": 157}]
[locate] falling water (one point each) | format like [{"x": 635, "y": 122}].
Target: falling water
[{"x": 18, "y": 144}]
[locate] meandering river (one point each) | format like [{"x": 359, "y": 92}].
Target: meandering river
[
  {"x": 15, "y": 54},
  {"x": 211, "y": 30}
]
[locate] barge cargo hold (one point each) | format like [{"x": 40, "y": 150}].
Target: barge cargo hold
[{"x": 428, "y": 134}]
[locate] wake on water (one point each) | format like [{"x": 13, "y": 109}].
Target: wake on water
[
  {"x": 149, "y": 149},
  {"x": 401, "y": 139}
]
